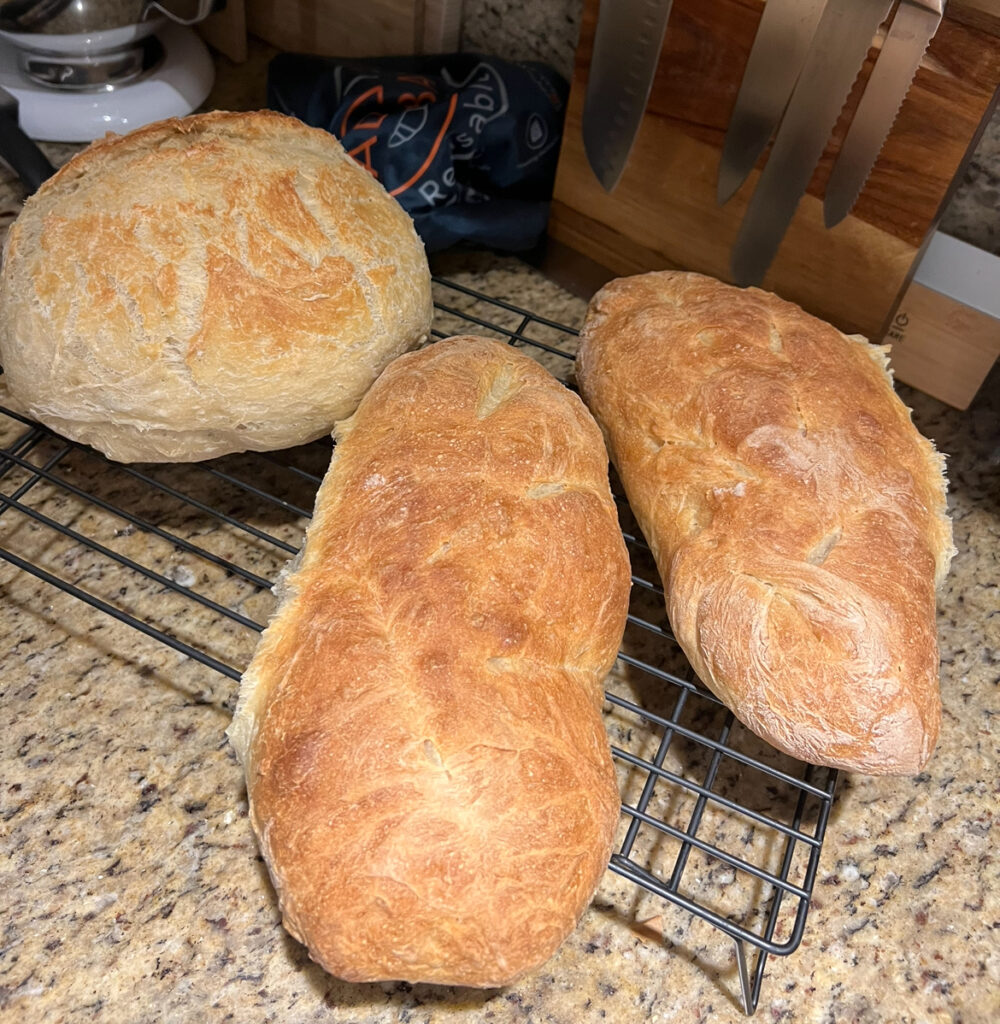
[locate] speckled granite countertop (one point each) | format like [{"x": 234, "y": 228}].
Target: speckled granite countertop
[{"x": 132, "y": 886}]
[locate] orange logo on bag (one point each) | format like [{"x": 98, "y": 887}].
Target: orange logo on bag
[{"x": 362, "y": 152}]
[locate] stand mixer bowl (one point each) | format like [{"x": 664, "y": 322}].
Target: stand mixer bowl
[{"x": 83, "y": 45}]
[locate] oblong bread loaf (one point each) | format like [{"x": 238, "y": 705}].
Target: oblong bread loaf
[
  {"x": 429, "y": 776},
  {"x": 796, "y": 515},
  {"x": 209, "y": 284}
]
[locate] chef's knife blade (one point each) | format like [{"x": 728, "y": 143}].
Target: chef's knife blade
[
  {"x": 910, "y": 33},
  {"x": 626, "y": 51},
  {"x": 779, "y": 50},
  {"x": 838, "y": 50}
]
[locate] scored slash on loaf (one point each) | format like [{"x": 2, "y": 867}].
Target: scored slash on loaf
[
  {"x": 428, "y": 771},
  {"x": 797, "y": 517},
  {"x": 217, "y": 283}
]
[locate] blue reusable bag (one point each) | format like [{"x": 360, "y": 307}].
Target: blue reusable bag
[{"x": 467, "y": 144}]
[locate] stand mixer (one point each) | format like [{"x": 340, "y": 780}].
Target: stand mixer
[{"x": 81, "y": 68}]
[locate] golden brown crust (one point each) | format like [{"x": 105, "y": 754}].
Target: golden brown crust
[
  {"x": 421, "y": 728},
  {"x": 796, "y": 515},
  {"x": 208, "y": 284}
]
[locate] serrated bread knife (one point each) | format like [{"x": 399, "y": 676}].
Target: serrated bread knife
[
  {"x": 836, "y": 54},
  {"x": 910, "y": 33},
  {"x": 626, "y": 51},
  {"x": 779, "y": 50}
]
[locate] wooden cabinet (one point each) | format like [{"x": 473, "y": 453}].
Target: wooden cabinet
[{"x": 347, "y": 28}]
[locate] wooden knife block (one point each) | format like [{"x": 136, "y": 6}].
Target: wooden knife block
[{"x": 663, "y": 213}]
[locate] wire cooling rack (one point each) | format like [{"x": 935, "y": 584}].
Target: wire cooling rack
[{"x": 714, "y": 822}]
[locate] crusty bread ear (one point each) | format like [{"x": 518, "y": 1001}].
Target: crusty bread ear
[
  {"x": 428, "y": 771},
  {"x": 796, "y": 515},
  {"x": 216, "y": 283}
]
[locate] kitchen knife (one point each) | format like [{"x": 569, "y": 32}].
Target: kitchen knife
[
  {"x": 910, "y": 33},
  {"x": 27, "y": 161},
  {"x": 779, "y": 50},
  {"x": 626, "y": 51},
  {"x": 837, "y": 52}
]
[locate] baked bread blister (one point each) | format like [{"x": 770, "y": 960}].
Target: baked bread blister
[
  {"x": 428, "y": 771},
  {"x": 216, "y": 283},
  {"x": 797, "y": 517}
]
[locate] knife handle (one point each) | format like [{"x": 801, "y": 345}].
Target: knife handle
[{"x": 25, "y": 158}]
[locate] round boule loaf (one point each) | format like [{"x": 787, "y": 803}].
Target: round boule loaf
[{"x": 203, "y": 285}]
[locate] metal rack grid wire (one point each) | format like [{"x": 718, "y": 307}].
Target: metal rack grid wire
[{"x": 714, "y": 822}]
